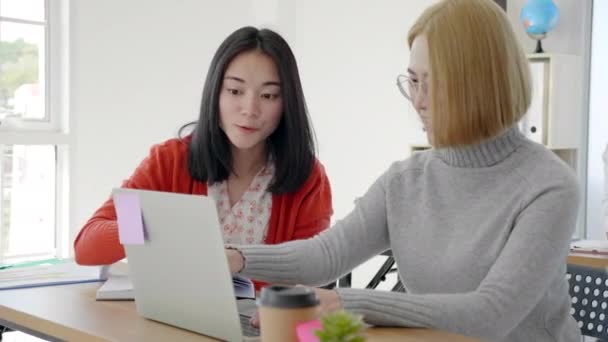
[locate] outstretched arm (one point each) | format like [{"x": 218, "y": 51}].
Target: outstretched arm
[{"x": 327, "y": 256}]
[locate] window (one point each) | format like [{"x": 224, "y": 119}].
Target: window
[
  {"x": 33, "y": 139},
  {"x": 596, "y": 213}
]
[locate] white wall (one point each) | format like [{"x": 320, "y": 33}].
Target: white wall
[
  {"x": 350, "y": 54},
  {"x": 598, "y": 120},
  {"x": 137, "y": 70}
]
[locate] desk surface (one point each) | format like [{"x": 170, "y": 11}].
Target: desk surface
[
  {"x": 45, "y": 312},
  {"x": 70, "y": 312},
  {"x": 590, "y": 260}
]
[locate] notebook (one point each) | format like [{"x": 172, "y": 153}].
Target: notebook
[
  {"x": 117, "y": 287},
  {"x": 120, "y": 287},
  {"x": 58, "y": 273}
]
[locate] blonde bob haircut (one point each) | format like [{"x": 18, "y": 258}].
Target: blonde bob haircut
[{"x": 479, "y": 76}]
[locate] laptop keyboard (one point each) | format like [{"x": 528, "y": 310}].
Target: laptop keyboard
[{"x": 248, "y": 329}]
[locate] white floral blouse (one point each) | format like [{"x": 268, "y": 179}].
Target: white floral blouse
[{"x": 247, "y": 221}]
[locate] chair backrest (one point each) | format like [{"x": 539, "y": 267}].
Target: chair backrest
[
  {"x": 387, "y": 267},
  {"x": 589, "y": 292},
  {"x": 380, "y": 276}
]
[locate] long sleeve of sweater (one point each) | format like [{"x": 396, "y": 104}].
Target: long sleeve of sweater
[
  {"x": 492, "y": 310},
  {"x": 329, "y": 255},
  {"x": 528, "y": 233}
]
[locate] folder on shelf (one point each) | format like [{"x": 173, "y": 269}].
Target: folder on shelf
[{"x": 533, "y": 124}]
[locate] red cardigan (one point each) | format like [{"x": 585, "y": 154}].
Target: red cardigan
[{"x": 298, "y": 215}]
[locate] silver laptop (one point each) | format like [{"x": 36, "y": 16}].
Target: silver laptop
[{"x": 180, "y": 274}]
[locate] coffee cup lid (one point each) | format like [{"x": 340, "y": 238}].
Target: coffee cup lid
[{"x": 279, "y": 296}]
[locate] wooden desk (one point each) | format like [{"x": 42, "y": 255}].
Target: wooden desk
[
  {"x": 71, "y": 313},
  {"x": 590, "y": 260}
]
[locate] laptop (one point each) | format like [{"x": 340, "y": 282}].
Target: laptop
[{"x": 180, "y": 273}]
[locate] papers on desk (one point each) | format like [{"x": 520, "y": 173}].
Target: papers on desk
[
  {"x": 590, "y": 246},
  {"x": 243, "y": 287},
  {"x": 66, "y": 272},
  {"x": 119, "y": 287}
]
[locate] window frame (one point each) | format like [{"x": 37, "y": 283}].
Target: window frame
[{"x": 54, "y": 129}]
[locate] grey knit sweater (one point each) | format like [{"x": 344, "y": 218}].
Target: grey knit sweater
[{"x": 480, "y": 235}]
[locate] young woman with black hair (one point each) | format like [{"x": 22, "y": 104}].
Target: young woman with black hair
[{"x": 252, "y": 150}]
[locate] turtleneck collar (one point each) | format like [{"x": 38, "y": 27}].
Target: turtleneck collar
[{"x": 484, "y": 154}]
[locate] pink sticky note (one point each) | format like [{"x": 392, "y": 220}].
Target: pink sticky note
[
  {"x": 306, "y": 331},
  {"x": 130, "y": 222}
]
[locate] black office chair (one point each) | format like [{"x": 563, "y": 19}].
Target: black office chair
[
  {"x": 589, "y": 292},
  {"x": 329, "y": 286},
  {"x": 380, "y": 276},
  {"x": 3, "y": 329}
]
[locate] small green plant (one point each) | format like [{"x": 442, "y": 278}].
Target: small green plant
[{"x": 340, "y": 326}]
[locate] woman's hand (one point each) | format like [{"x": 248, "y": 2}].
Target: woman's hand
[
  {"x": 330, "y": 302},
  {"x": 235, "y": 260}
]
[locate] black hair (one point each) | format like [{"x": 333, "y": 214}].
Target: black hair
[{"x": 291, "y": 146}]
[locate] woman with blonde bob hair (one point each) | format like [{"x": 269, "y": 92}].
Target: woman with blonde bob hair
[{"x": 479, "y": 225}]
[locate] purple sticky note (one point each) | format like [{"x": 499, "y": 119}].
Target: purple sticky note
[
  {"x": 306, "y": 331},
  {"x": 130, "y": 222}
]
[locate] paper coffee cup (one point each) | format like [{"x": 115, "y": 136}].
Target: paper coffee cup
[{"x": 282, "y": 308}]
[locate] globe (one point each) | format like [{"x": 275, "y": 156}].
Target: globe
[{"x": 539, "y": 17}]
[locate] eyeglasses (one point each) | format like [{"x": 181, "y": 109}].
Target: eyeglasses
[{"x": 413, "y": 87}]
